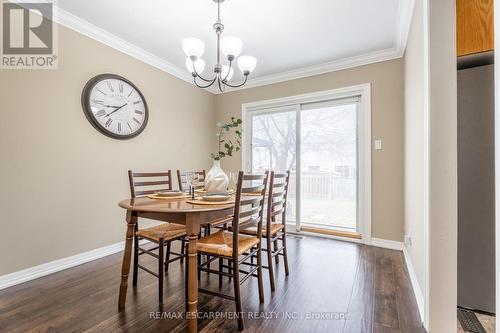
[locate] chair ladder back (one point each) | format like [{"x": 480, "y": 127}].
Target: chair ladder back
[
  {"x": 249, "y": 211},
  {"x": 277, "y": 198},
  {"x": 145, "y": 183}
]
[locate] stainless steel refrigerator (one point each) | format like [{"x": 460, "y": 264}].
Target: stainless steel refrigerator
[{"x": 476, "y": 184}]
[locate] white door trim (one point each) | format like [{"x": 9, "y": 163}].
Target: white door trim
[
  {"x": 425, "y": 315},
  {"x": 496, "y": 5},
  {"x": 364, "y": 136}
]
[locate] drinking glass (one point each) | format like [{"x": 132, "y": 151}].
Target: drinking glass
[
  {"x": 195, "y": 177},
  {"x": 189, "y": 180}
]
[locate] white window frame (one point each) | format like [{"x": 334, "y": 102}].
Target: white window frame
[{"x": 364, "y": 141}]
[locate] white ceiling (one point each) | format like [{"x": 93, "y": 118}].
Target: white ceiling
[{"x": 295, "y": 37}]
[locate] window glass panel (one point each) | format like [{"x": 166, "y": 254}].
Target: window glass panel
[
  {"x": 273, "y": 148},
  {"x": 329, "y": 166}
]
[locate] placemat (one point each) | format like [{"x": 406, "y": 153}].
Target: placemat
[
  {"x": 203, "y": 191},
  {"x": 203, "y": 202},
  {"x": 251, "y": 194},
  {"x": 154, "y": 196}
]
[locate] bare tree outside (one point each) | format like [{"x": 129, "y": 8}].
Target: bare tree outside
[{"x": 273, "y": 141}]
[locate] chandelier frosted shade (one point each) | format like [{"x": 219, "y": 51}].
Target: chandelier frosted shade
[
  {"x": 231, "y": 46},
  {"x": 193, "y": 47},
  {"x": 247, "y": 63},
  {"x": 199, "y": 65}
]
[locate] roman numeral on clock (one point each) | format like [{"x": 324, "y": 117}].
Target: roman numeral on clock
[
  {"x": 100, "y": 113},
  {"x": 120, "y": 87},
  {"x": 139, "y": 112},
  {"x": 119, "y": 127},
  {"x": 108, "y": 122},
  {"x": 137, "y": 121},
  {"x": 110, "y": 86}
]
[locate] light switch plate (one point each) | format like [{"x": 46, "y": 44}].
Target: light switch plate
[{"x": 378, "y": 144}]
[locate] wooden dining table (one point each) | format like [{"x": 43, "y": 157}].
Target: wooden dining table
[{"x": 174, "y": 211}]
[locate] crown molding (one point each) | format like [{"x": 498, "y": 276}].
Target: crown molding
[
  {"x": 86, "y": 28},
  {"x": 332, "y": 66},
  {"x": 405, "y": 12},
  {"x": 90, "y": 30}
]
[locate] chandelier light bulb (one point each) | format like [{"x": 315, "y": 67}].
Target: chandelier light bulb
[
  {"x": 199, "y": 64},
  {"x": 231, "y": 46},
  {"x": 225, "y": 69},
  {"x": 193, "y": 47},
  {"x": 247, "y": 64}
]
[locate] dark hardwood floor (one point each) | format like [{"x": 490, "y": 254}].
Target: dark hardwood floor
[{"x": 333, "y": 286}]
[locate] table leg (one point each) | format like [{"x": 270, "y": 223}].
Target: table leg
[
  {"x": 192, "y": 230},
  {"x": 192, "y": 286},
  {"x": 127, "y": 254}
]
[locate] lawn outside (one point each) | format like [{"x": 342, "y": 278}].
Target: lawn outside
[{"x": 325, "y": 212}]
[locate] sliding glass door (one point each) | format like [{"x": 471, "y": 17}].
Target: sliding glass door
[{"x": 318, "y": 143}]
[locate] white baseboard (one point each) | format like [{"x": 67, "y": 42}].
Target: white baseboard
[
  {"x": 419, "y": 296},
  {"x": 387, "y": 244},
  {"x": 378, "y": 242},
  {"x": 32, "y": 273}
]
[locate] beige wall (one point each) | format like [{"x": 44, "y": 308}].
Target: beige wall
[
  {"x": 61, "y": 179},
  {"x": 387, "y": 124},
  {"x": 415, "y": 109}
]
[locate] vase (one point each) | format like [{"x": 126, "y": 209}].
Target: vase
[{"x": 216, "y": 180}]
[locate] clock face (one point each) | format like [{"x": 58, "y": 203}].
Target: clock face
[{"x": 114, "y": 106}]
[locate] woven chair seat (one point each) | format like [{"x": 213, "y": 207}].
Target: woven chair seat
[
  {"x": 221, "y": 243},
  {"x": 275, "y": 227},
  {"x": 167, "y": 231}
]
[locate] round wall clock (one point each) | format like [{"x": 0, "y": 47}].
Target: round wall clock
[{"x": 115, "y": 106}]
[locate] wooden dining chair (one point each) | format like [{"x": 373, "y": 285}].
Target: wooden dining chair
[
  {"x": 274, "y": 230},
  {"x": 143, "y": 184},
  {"x": 235, "y": 247}
]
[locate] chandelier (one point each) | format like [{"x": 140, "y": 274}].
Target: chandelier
[{"x": 229, "y": 46}]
